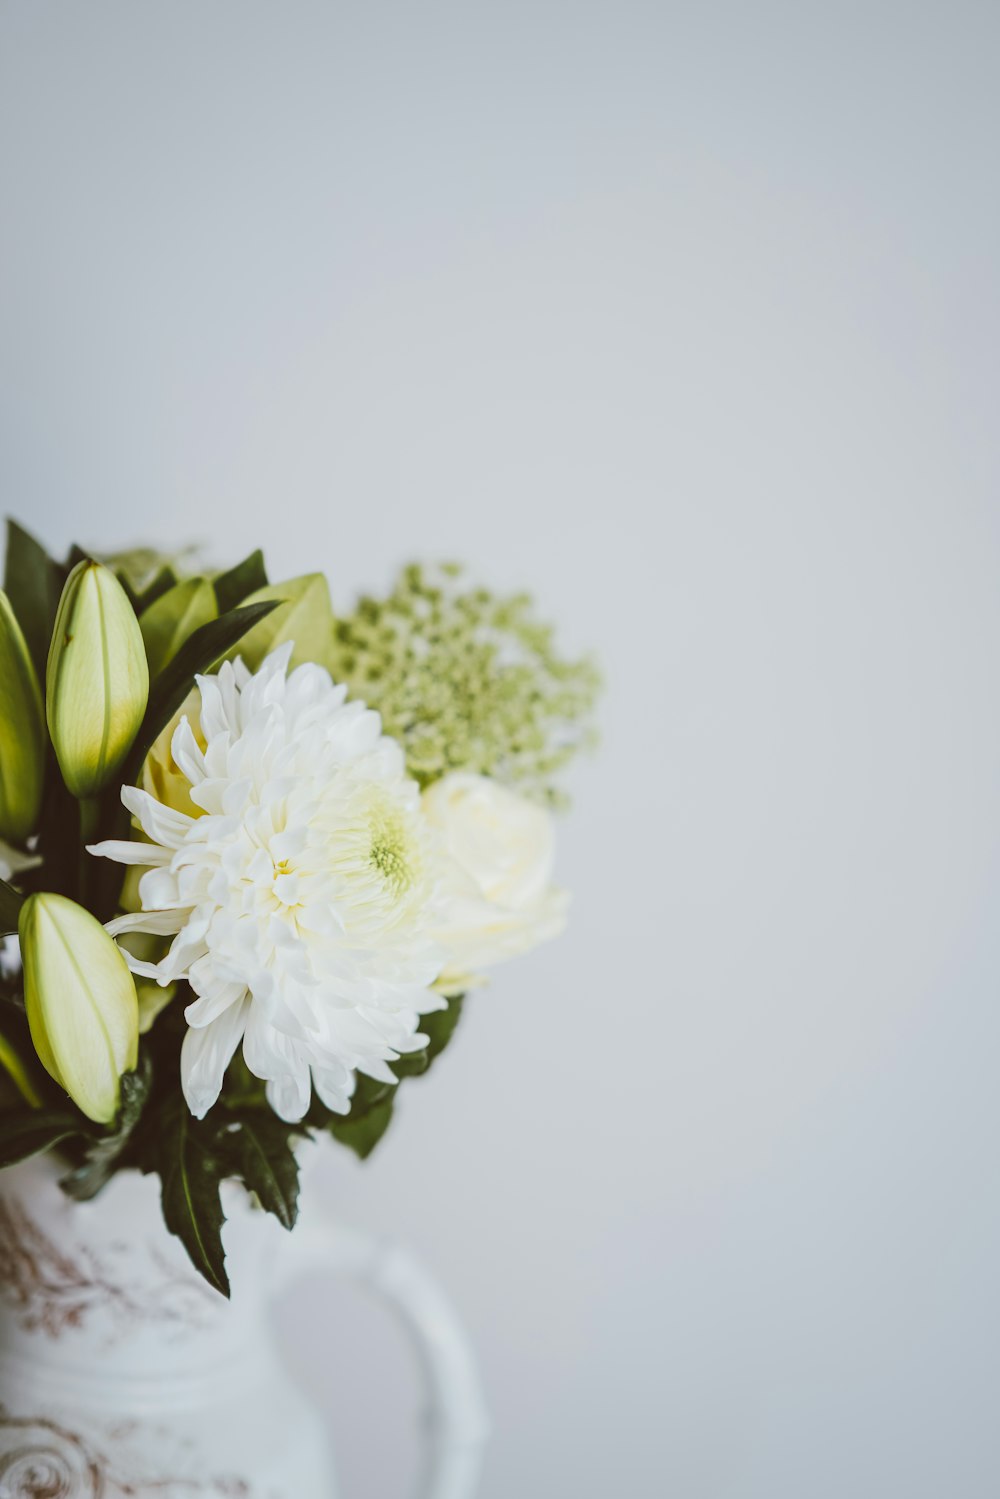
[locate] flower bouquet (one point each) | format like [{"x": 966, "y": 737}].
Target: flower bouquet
[{"x": 254, "y": 854}]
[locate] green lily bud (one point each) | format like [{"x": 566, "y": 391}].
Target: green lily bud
[
  {"x": 97, "y": 681},
  {"x": 170, "y": 619},
  {"x": 22, "y": 732},
  {"x": 81, "y": 1002},
  {"x": 305, "y": 616}
]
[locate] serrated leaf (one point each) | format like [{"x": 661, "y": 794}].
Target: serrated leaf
[
  {"x": 266, "y": 1164},
  {"x": 190, "y": 1174},
  {"x": 199, "y": 653},
  {"x": 103, "y": 1155},
  {"x": 33, "y": 582},
  {"x": 232, "y": 587},
  {"x": 10, "y": 908},
  {"x": 28, "y": 1132},
  {"x": 363, "y": 1133}
]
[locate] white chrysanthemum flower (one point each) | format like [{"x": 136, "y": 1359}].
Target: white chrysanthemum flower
[{"x": 297, "y": 901}]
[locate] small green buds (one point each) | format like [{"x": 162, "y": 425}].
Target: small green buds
[
  {"x": 22, "y": 732},
  {"x": 97, "y": 680},
  {"x": 81, "y": 1002}
]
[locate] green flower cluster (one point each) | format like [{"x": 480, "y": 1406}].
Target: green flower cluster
[{"x": 467, "y": 680}]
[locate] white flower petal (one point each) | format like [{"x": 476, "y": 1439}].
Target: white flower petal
[
  {"x": 205, "y": 1055},
  {"x": 130, "y": 853},
  {"x": 162, "y": 824},
  {"x": 156, "y": 923},
  {"x": 289, "y": 1095}
]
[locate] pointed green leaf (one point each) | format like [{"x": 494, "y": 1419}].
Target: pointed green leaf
[
  {"x": 362, "y": 1134},
  {"x": 103, "y": 1155},
  {"x": 27, "y": 1132},
  {"x": 232, "y": 587},
  {"x": 191, "y": 1174},
  {"x": 266, "y": 1164},
  {"x": 10, "y": 908},
  {"x": 33, "y": 583},
  {"x": 162, "y": 583}
]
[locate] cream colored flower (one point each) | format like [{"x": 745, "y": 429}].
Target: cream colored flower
[{"x": 496, "y": 898}]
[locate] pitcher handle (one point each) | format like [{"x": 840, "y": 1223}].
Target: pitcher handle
[{"x": 454, "y": 1420}]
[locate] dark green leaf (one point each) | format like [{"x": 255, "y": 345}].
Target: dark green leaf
[
  {"x": 102, "y": 1155},
  {"x": 27, "y": 1132},
  {"x": 363, "y": 1133},
  {"x": 240, "y": 582},
  {"x": 33, "y": 583},
  {"x": 265, "y": 1162},
  {"x": 164, "y": 580},
  {"x": 191, "y": 1172},
  {"x": 411, "y": 1063},
  {"x": 10, "y": 906},
  {"x": 199, "y": 653}
]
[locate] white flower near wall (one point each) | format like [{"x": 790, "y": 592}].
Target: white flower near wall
[
  {"x": 495, "y": 895},
  {"x": 298, "y": 900}
]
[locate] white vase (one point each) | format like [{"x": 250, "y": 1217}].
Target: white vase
[{"x": 123, "y": 1375}]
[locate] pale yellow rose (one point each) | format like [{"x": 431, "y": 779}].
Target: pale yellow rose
[{"x": 495, "y": 896}]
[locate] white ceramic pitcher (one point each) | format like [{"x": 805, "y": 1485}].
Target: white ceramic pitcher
[{"x": 124, "y": 1376}]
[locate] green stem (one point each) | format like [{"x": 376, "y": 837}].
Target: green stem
[{"x": 90, "y": 815}]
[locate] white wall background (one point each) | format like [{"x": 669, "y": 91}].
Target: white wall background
[{"x": 687, "y": 317}]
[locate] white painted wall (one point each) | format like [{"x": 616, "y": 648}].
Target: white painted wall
[{"x": 686, "y": 317}]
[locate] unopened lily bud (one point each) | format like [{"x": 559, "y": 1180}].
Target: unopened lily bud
[
  {"x": 81, "y": 1002},
  {"x": 22, "y": 732},
  {"x": 97, "y": 681}
]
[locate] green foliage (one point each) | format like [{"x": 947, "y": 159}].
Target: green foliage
[
  {"x": 232, "y": 587},
  {"x": 467, "y": 680},
  {"x": 261, "y": 1156},
  {"x": 191, "y": 1169},
  {"x": 25, "y": 1132},
  {"x": 22, "y": 732},
  {"x": 172, "y": 618},
  {"x": 362, "y": 1129},
  {"x": 303, "y": 614},
  {"x": 102, "y": 1154},
  {"x": 10, "y": 908},
  {"x": 373, "y": 1102},
  {"x": 33, "y": 583},
  {"x": 194, "y": 1157}
]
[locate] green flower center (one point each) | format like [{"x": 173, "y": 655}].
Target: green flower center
[{"x": 390, "y": 850}]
